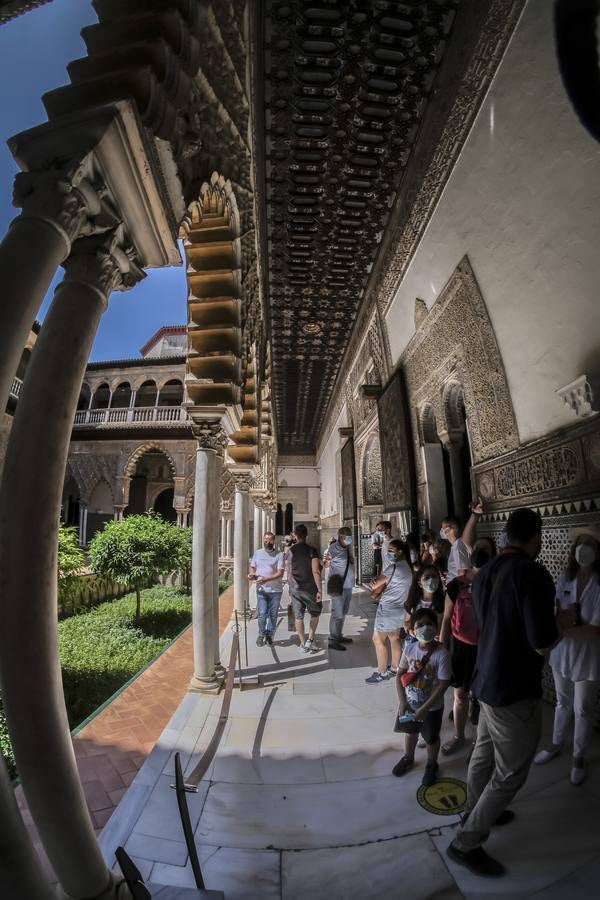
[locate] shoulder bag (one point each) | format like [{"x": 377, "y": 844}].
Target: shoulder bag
[{"x": 380, "y": 584}]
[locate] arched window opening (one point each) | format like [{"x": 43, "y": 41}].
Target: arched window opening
[
  {"x": 289, "y": 517},
  {"x": 163, "y": 505},
  {"x": 84, "y": 397},
  {"x": 171, "y": 394},
  {"x": 146, "y": 395},
  {"x": 279, "y": 520},
  {"x": 151, "y": 478},
  {"x": 100, "y": 508},
  {"x": 121, "y": 396},
  {"x": 101, "y": 397}
]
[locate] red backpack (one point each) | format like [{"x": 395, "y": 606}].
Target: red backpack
[{"x": 463, "y": 622}]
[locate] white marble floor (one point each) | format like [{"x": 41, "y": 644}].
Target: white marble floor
[{"x": 299, "y": 797}]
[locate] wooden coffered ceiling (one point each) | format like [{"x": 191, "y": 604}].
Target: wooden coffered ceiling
[{"x": 347, "y": 87}]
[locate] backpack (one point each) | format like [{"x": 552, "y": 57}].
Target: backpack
[{"x": 464, "y": 622}]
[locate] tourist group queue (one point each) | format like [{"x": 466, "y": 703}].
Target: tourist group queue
[{"x": 453, "y": 610}]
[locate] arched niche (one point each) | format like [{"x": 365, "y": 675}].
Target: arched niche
[{"x": 121, "y": 396}]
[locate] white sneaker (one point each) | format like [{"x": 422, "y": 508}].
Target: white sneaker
[
  {"x": 577, "y": 775},
  {"x": 545, "y": 756},
  {"x": 311, "y": 646}
]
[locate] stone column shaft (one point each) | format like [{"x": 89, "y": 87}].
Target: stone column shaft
[
  {"x": 241, "y": 549},
  {"x": 257, "y": 527},
  {"x": 206, "y": 511},
  {"x": 215, "y": 549},
  {"x": 29, "y": 663}
]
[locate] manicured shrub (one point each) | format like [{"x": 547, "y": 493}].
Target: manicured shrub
[{"x": 102, "y": 649}]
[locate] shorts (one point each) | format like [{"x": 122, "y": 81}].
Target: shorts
[
  {"x": 305, "y": 602},
  {"x": 432, "y": 725},
  {"x": 463, "y": 657}
]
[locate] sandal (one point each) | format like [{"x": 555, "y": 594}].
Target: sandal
[{"x": 452, "y": 745}]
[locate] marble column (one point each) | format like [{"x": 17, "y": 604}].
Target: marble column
[
  {"x": 223, "y": 537},
  {"x": 219, "y": 669},
  {"x": 257, "y": 527},
  {"x": 37, "y": 241},
  {"x": 241, "y": 548},
  {"x": 206, "y": 511},
  {"x": 31, "y": 493},
  {"x": 22, "y": 874}
]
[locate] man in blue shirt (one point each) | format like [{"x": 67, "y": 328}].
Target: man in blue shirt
[
  {"x": 266, "y": 569},
  {"x": 513, "y": 597}
]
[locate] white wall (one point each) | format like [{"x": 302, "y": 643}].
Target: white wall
[
  {"x": 329, "y": 466},
  {"x": 300, "y": 485},
  {"x": 523, "y": 203}
]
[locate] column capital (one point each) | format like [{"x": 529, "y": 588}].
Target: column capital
[
  {"x": 104, "y": 263},
  {"x": 64, "y": 197},
  {"x": 210, "y": 436},
  {"x": 243, "y": 482}
]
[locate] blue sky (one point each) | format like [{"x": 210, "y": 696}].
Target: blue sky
[{"x": 34, "y": 52}]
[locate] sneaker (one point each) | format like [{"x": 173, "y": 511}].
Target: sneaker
[
  {"x": 402, "y": 766},
  {"x": 577, "y": 775},
  {"x": 430, "y": 774},
  {"x": 335, "y": 645},
  {"x": 260, "y": 641},
  {"x": 545, "y": 756},
  {"x": 451, "y": 746},
  {"x": 391, "y": 673},
  {"x": 376, "y": 678},
  {"x": 477, "y": 861},
  {"x": 311, "y": 646},
  {"x": 346, "y": 640},
  {"x": 269, "y": 638}
]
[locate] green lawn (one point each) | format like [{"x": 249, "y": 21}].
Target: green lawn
[{"x": 102, "y": 649}]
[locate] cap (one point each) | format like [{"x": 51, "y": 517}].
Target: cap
[{"x": 592, "y": 530}]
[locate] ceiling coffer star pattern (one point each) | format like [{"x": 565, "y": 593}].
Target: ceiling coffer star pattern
[{"x": 346, "y": 85}]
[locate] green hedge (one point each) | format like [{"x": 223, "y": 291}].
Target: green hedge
[{"x": 102, "y": 649}]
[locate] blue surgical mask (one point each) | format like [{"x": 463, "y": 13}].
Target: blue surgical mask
[
  {"x": 347, "y": 541},
  {"x": 425, "y": 633},
  {"x": 391, "y": 556}
]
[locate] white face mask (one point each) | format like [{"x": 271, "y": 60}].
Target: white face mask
[
  {"x": 443, "y": 534},
  {"x": 413, "y": 556},
  {"x": 585, "y": 555},
  {"x": 430, "y": 585},
  {"x": 347, "y": 541}
]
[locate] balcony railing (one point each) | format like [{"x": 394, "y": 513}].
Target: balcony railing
[
  {"x": 146, "y": 415},
  {"x": 15, "y": 388}
]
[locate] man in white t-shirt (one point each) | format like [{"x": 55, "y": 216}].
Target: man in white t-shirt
[
  {"x": 339, "y": 561},
  {"x": 266, "y": 569},
  {"x": 459, "y": 558},
  {"x": 377, "y": 544}
]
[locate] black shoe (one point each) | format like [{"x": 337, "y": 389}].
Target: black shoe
[
  {"x": 505, "y": 818},
  {"x": 430, "y": 774},
  {"x": 336, "y": 645},
  {"x": 260, "y": 641},
  {"x": 477, "y": 861},
  {"x": 269, "y": 638},
  {"x": 402, "y": 766},
  {"x": 346, "y": 640}
]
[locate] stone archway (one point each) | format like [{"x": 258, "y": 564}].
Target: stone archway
[{"x": 149, "y": 471}]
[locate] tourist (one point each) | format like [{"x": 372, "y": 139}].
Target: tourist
[
  {"x": 427, "y": 542},
  {"x": 422, "y": 681},
  {"x": 304, "y": 567},
  {"x": 458, "y": 558},
  {"x": 340, "y": 563},
  {"x": 440, "y": 551},
  {"x": 413, "y": 543},
  {"x": 575, "y": 661},
  {"x": 266, "y": 569},
  {"x": 513, "y": 597},
  {"x": 387, "y": 537},
  {"x": 377, "y": 545},
  {"x": 389, "y": 618},
  {"x": 460, "y": 632},
  {"x": 426, "y": 591}
]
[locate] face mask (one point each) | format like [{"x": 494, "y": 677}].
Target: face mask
[
  {"x": 585, "y": 555},
  {"x": 443, "y": 534},
  {"x": 425, "y": 633},
  {"x": 430, "y": 585},
  {"x": 391, "y": 556},
  {"x": 347, "y": 542}
]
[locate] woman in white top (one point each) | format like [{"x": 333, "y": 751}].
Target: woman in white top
[
  {"x": 389, "y": 618},
  {"x": 575, "y": 661}
]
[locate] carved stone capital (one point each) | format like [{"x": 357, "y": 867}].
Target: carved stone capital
[
  {"x": 210, "y": 436},
  {"x": 63, "y": 197},
  {"x": 581, "y": 395},
  {"x": 102, "y": 263}
]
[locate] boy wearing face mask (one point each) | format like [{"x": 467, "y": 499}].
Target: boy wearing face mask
[
  {"x": 339, "y": 561},
  {"x": 429, "y": 664},
  {"x": 266, "y": 568}
]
